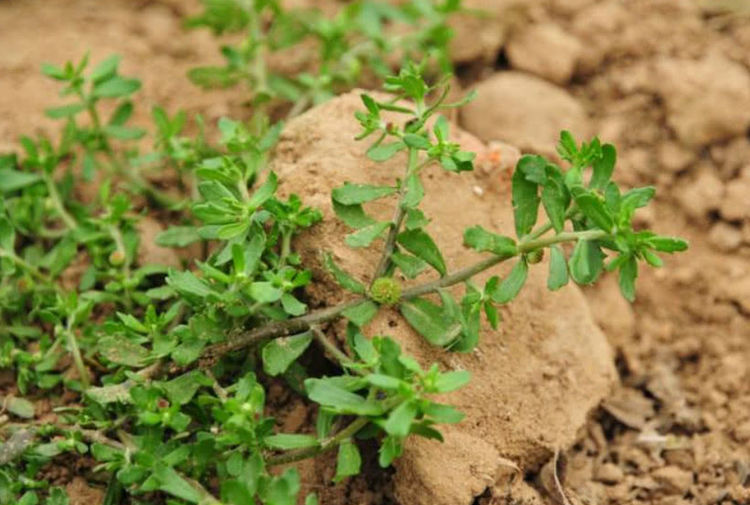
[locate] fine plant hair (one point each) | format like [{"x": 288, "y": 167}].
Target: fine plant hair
[{"x": 169, "y": 367}]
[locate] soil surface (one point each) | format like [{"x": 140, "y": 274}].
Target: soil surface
[{"x": 666, "y": 81}]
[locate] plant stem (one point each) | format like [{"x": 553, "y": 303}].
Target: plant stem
[
  {"x": 397, "y": 220},
  {"x": 286, "y": 246},
  {"x": 116, "y": 235},
  {"x": 70, "y": 338},
  {"x": 304, "y": 323},
  {"x": 69, "y": 221},
  {"x": 132, "y": 175},
  {"x": 344, "y": 360},
  {"x": 325, "y": 445},
  {"x": 31, "y": 269},
  {"x": 279, "y": 329},
  {"x": 526, "y": 246}
]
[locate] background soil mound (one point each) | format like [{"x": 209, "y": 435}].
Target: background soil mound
[{"x": 533, "y": 381}]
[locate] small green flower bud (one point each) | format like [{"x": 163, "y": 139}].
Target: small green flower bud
[
  {"x": 386, "y": 291},
  {"x": 535, "y": 256},
  {"x": 116, "y": 258}
]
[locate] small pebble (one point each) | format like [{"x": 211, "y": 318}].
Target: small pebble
[
  {"x": 609, "y": 473},
  {"x": 674, "y": 479}
]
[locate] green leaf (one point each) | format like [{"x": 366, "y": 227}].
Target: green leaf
[
  {"x": 416, "y": 141},
  {"x": 171, "y": 482},
  {"x": 64, "y": 111},
  {"x": 232, "y": 230},
  {"x": 106, "y": 69},
  {"x": 567, "y": 147},
  {"x": 427, "y": 318},
  {"x": 399, "y": 420},
  {"x": 444, "y": 414},
  {"x": 54, "y": 72},
  {"x": 509, "y": 288},
  {"x": 20, "y": 407},
  {"x": 628, "y": 275},
  {"x": 586, "y": 262},
  {"x": 635, "y": 199},
  {"x": 345, "y": 280},
  {"x": 178, "y": 236},
  {"x": 362, "y": 313},
  {"x": 60, "y": 256},
  {"x": 421, "y": 245},
  {"x": 7, "y": 235},
  {"x": 493, "y": 317},
  {"x": 264, "y": 192},
  {"x": 410, "y": 266},
  {"x": 667, "y": 244},
  {"x": 603, "y": 167},
  {"x": 182, "y": 389},
  {"x": 533, "y": 168},
  {"x": 28, "y": 498},
  {"x": 280, "y": 353},
  {"x": 292, "y": 306},
  {"x": 187, "y": 283},
  {"x": 124, "y": 132},
  {"x": 265, "y": 292},
  {"x": 132, "y": 322},
  {"x": 213, "y": 77},
  {"x": 415, "y": 218},
  {"x": 414, "y": 191},
  {"x": 235, "y": 492},
  {"x": 390, "y": 449},
  {"x": 555, "y": 198},
  {"x": 525, "y": 201},
  {"x": 13, "y": 180},
  {"x": 123, "y": 351},
  {"x": 482, "y": 240},
  {"x": 441, "y": 129},
  {"x": 595, "y": 209},
  {"x": 288, "y": 441},
  {"x": 349, "y": 461},
  {"x": 353, "y": 194},
  {"x": 110, "y": 394},
  {"x": 365, "y": 236},
  {"x": 384, "y": 152},
  {"x": 215, "y": 190},
  {"x": 384, "y": 381},
  {"x": 328, "y": 394},
  {"x": 451, "y": 381},
  {"x": 558, "y": 269},
  {"x": 121, "y": 115},
  {"x": 116, "y": 87},
  {"x": 352, "y": 215},
  {"x": 57, "y": 496}
]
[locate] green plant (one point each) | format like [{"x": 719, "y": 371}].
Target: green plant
[
  {"x": 361, "y": 39},
  {"x": 170, "y": 365}
]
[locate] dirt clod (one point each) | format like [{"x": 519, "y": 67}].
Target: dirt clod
[
  {"x": 525, "y": 111},
  {"x": 545, "y": 50},
  {"x": 674, "y": 479},
  {"x": 701, "y": 108},
  {"x": 534, "y": 380},
  {"x": 609, "y": 473}
]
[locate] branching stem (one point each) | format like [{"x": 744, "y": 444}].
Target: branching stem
[
  {"x": 397, "y": 220},
  {"x": 304, "y": 323}
]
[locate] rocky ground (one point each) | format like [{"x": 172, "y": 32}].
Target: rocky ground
[{"x": 661, "y": 415}]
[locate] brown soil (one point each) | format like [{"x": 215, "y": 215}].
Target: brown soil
[{"x": 665, "y": 81}]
